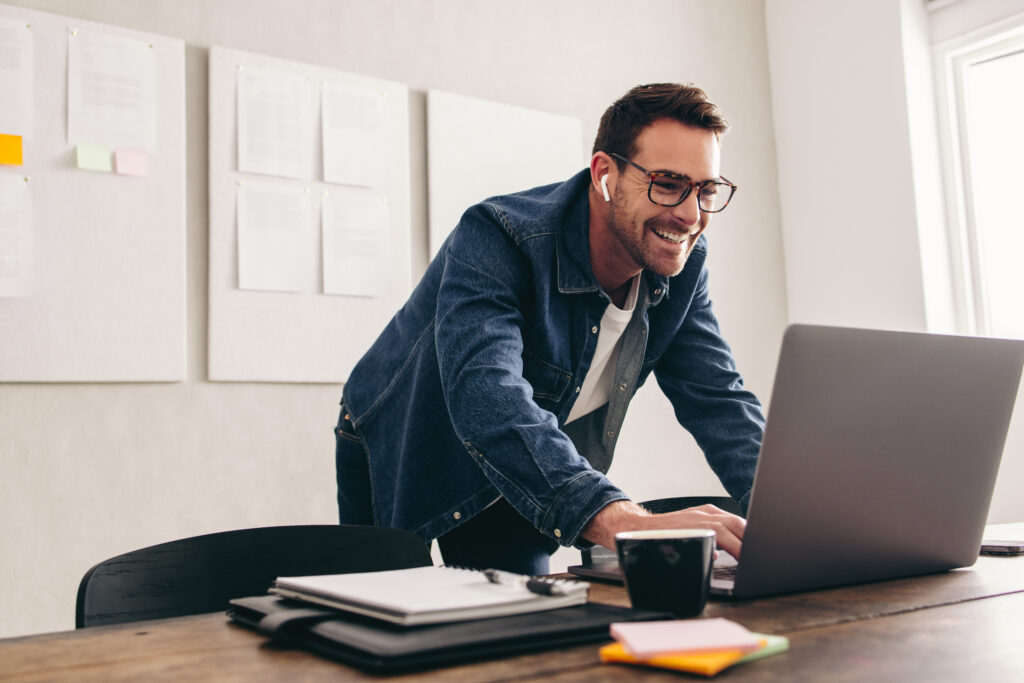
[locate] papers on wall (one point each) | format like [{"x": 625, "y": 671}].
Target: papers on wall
[
  {"x": 355, "y": 237},
  {"x": 275, "y": 123},
  {"x": 16, "y": 78},
  {"x": 354, "y": 145},
  {"x": 111, "y": 91},
  {"x": 273, "y": 234},
  {"x": 16, "y": 259},
  {"x": 276, "y": 115}
]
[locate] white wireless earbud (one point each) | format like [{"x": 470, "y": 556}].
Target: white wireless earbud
[{"x": 604, "y": 187}]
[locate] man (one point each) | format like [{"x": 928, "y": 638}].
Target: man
[{"x": 487, "y": 412}]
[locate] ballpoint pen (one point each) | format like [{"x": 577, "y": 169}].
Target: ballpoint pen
[{"x": 530, "y": 583}]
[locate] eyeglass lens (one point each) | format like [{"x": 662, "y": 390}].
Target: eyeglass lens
[{"x": 670, "y": 191}]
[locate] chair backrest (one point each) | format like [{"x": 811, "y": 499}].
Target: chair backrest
[
  {"x": 660, "y": 505},
  {"x": 201, "y": 574}
]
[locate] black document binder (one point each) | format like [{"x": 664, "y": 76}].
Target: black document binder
[{"x": 382, "y": 647}]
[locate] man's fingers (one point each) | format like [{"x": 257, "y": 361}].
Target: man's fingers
[{"x": 728, "y": 528}]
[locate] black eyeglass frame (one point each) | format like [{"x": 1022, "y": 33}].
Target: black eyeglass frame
[{"x": 654, "y": 175}]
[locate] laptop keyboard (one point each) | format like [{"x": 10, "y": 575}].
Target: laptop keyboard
[{"x": 726, "y": 573}]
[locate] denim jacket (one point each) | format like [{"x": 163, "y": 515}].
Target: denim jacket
[{"x": 463, "y": 398}]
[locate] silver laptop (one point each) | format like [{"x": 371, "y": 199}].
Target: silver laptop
[{"x": 879, "y": 458}]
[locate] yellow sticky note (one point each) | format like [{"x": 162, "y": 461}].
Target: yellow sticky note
[
  {"x": 704, "y": 663},
  {"x": 93, "y": 157},
  {"x": 10, "y": 150}
]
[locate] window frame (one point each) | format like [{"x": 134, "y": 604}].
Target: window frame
[{"x": 951, "y": 59}]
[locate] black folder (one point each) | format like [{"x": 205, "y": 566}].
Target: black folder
[{"x": 382, "y": 647}]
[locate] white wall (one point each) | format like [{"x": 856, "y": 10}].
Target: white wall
[
  {"x": 845, "y": 175},
  {"x": 93, "y": 470},
  {"x": 858, "y": 170}
]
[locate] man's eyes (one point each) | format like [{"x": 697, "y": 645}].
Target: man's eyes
[{"x": 668, "y": 183}]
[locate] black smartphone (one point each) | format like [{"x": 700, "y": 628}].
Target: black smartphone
[{"x": 994, "y": 547}]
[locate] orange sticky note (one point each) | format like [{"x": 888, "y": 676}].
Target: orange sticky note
[
  {"x": 706, "y": 663},
  {"x": 10, "y": 150},
  {"x": 131, "y": 162}
]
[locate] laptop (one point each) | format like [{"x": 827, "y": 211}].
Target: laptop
[{"x": 879, "y": 459}]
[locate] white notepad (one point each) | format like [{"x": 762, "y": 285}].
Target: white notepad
[{"x": 425, "y": 595}]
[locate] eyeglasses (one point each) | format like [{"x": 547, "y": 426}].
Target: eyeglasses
[{"x": 671, "y": 189}]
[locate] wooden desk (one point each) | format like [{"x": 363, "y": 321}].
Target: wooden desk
[{"x": 958, "y": 626}]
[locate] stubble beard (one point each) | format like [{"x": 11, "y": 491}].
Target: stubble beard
[{"x": 633, "y": 242}]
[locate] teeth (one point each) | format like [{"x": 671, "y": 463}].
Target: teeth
[{"x": 671, "y": 237}]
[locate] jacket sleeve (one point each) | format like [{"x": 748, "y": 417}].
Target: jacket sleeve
[
  {"x": 479, "y": 337},
  {"x": 699, "y": 376}
]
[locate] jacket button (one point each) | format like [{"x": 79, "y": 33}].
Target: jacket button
[
  {"x": 611, "y": 433},
  {"x": 657, "y": 291},
  {"x": 457, "y": 515},
  {"x": 594, "y": 329},
  {"x": 578, "y": 389},
  {"x": 622, "y": 387},
  {"x": 557, "y": 533}
]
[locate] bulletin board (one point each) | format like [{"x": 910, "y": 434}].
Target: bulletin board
[
  {"x": 106, "y": 297},
  {"x": 479, "y": 148},
  {"x": 308, "y": 324}
]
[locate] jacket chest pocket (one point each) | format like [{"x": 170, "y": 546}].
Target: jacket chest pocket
[{"x": 549, "y": 382}]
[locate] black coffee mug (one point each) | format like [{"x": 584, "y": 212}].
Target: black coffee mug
[{"x": 667, "y": 569}]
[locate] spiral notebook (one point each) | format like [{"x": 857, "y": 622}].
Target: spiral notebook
[{"x": 426, "y": 595}]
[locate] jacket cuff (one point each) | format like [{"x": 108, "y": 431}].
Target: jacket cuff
[{"x": 576, "y": 505}]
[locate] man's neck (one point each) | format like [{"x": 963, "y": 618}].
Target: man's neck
[
  {"x": 611, "y": 269},
  {"x": 620, "y": 294}
]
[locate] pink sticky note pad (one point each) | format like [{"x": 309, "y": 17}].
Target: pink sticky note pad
[
  {"x": 131, "y": 162},
  {"x": 650, "y": 638}
]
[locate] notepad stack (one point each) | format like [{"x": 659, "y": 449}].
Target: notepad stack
[{"x": 701, "y": 646}]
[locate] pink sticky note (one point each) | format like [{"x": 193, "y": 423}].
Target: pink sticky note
[
  {"x": 650, "y": 638},
  {"x": 131, "y": 162}
]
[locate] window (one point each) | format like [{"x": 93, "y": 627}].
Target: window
[{"x": 982, "y": 91}]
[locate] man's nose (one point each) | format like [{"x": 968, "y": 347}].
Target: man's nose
[{"x": 688, "y": 212}]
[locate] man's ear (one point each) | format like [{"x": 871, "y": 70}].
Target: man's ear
[{"x": 601, "y": 167}]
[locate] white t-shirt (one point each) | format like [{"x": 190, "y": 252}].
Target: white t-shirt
[{"x": 598, "y": 383}]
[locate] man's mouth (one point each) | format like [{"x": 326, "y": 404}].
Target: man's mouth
[{"x": 673, "y": 237}]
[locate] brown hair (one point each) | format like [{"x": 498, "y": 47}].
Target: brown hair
[{"x": 622, "y": 122}]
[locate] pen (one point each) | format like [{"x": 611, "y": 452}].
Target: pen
[{"x": 530, "y": 583}]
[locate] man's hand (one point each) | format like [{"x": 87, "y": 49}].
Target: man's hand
[{"x": 624, "y": 515}]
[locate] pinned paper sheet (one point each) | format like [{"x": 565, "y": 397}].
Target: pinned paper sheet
[
  {"x": 92, "y": 157},
  {"x": 355, "y": 145},
  {"x": 275, "y": 123},
  {"x": 10, "y": 150},
  {"x": 17, "y": 89},
  {"x": 274, "y": 245},
  {"x": 16, "y": 260},
  {"x": 112, "y": 90},
  {"x": 131, "y": 162},
  {"x": 356, "y": 227}
]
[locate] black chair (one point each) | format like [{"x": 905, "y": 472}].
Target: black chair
[
  {"x": 660, "y": 505},
  {"x": 201, "y": 574}
]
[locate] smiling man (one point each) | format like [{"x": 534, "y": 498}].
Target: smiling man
[{"x": 487, "y": 412}]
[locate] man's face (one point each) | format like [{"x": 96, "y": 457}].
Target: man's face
[{"x": 660, "y": 238}]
